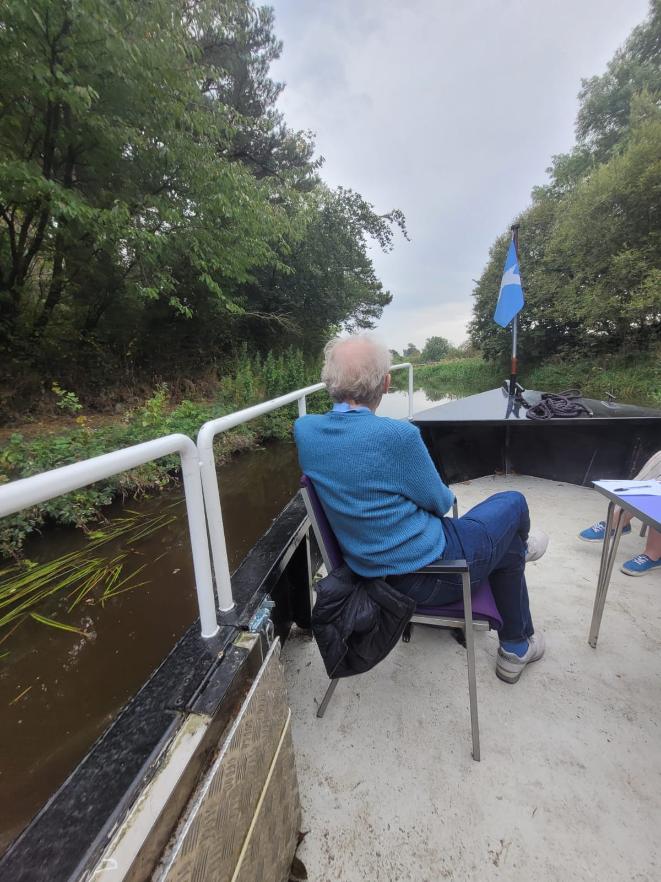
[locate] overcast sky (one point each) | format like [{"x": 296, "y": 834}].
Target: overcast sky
[{"x": 450, "y": 111}]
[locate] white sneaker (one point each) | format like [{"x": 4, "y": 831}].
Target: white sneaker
[
  {"x": 509, "y": 665},
  {"x": 538, "y": 542}
]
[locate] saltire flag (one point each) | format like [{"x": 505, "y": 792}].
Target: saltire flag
[{"x": 510, "y": 299}]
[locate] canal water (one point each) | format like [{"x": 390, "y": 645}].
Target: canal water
[
  {"x": 59, "y": 690},
  {"x": 395, "y": 404}
]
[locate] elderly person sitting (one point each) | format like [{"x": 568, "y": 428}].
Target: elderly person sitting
[{"x": 386, "y": 503}]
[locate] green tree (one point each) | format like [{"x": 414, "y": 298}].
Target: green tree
[
  {"x": 411, "y": 351},
  {"x": 112, "y": 184},
  {"x": 609, "y": 236},
  {"x": 238, "y": 45},
  {"x": 155, "y": 209},
  {"x": 435, "y": 349},
  {"x": 326, "y": 279},
  {"x": 590, "y": 242},
  {"x": 604, "y": 114}
]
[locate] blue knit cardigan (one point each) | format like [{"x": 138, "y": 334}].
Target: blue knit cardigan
[{"x": 379, "y": 489}]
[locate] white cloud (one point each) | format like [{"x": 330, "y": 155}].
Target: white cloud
[{"x": 449, "y": 111}]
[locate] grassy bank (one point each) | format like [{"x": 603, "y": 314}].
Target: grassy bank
[
  {"x": 459, "y": 377},
  {"x": 249, "y": 380},
  {"x": 637, "y": 381}
]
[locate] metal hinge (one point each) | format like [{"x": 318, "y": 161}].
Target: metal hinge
[{"x": 261, "y": 622}]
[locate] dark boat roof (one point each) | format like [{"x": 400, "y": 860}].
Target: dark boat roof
[{"x": 496, "y": 405}]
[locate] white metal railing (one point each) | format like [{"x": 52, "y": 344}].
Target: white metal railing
[
  {"x": 205, "y": 439},
  {"x": 201, "y": 491},
  {"x": 39, "y": 488}
]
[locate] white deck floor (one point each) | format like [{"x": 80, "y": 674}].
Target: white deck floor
[{"x": 569, "y": 787}]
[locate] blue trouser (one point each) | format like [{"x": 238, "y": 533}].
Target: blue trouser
[{"x": 491, "y": 537}]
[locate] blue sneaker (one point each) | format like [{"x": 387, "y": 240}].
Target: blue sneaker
[
  {"x": 597, "y": 531},
  {"x": 639, "y": 565}
]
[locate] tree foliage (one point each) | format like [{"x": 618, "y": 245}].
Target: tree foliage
[
  {"x": 435, "y": 349},
  {"x": 590, "y": 241},
  {"x": 154, "y": 206}
]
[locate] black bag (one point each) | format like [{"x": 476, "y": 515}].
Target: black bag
[{"x": 356, "y": 621}]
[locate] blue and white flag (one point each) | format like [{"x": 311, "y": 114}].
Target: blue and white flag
[{"x": 510, "y": 299}]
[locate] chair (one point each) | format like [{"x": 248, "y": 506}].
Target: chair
[{"x": 476, "y": 612}]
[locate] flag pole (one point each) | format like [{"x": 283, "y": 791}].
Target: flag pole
[{"x": 514, "y": 363}]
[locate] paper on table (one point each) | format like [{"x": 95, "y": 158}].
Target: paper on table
[{"x": 632, "y": 488}]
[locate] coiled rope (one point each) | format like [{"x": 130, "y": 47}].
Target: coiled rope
[{"x": 562, "y": 405}]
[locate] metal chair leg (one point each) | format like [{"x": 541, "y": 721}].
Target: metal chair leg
[
  {"x": 470, "y": 657},
  {"x": 327, "y": 697}
]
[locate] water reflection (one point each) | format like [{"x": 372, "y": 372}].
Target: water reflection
[{"x": 396, "y": 404}]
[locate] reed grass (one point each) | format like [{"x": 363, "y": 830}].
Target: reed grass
[
  {"x": 19, "y": 696},
  {"x": 84, "y": 574},
  {"x": 53, "y": 623}
]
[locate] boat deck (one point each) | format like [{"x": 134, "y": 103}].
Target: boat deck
[{"x": 569, "y": 783}]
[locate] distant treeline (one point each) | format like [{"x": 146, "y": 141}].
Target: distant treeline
[
  {"x": 155, "y": 208},
  {"x": 590, "y": 241},
  {"x": 435, "y": 349}
]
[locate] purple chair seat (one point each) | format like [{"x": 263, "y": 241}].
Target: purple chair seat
[{"x": 484, "y": 605}]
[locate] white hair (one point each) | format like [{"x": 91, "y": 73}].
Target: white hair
[{"x": 355, "y": 369}]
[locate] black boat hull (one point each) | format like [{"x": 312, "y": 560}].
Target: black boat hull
[{"x": 485, "y": 434}]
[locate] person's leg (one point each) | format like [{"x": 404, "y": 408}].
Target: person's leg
[
  {"x": 494, "y": 535},
  {"x": 596, "y": 533},
  {"x": 505, "y": 520},
  {"x": 436, "y": 589},
  {"x": 651, "y": 469},
  {"x": 653, "y": 544},
  {"x": 491, "y": 537},
  {"x": 648, "y": 560}
]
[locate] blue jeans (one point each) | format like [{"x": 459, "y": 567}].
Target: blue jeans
[{"x": 492, "y": 538}]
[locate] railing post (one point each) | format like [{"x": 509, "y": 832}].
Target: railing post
[
  {"x": 410, "y": 391},
  {"x": 211, "y": 492},
  {"x": 302, "y": 409},
  {"x": 197, "y": 528}
]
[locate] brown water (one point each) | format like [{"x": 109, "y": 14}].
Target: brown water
[{"x": 59, "y": 690}]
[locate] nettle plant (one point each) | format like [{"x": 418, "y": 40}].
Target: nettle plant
[{"x": 66, "y": 401}]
